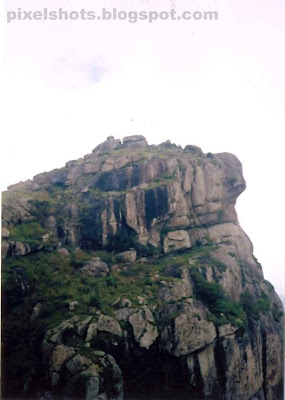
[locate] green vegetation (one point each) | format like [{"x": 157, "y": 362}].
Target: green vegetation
[
  {"x": 169, "y": 317},
  {"x": 211, "y": 261},
  {"x": 166, "y": 176},
  {"x": 28, "y": 232},
  {"x": 215, "y": 298},
  {"x": 253, "y": 308},
  {"x": 55, "y": 280},
  {"x": 46, "y": 202},
  {"x": 124, "y": 239},
  {"x": 277, "y": 314},
  {"x": 159, "y": 182},
  {"x": 41, "y": 209}
]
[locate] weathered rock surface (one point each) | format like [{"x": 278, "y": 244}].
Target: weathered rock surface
[
  {"x": 109, "y": 324},
  {"x": 206, "y": 326},
  {"x": 72, "y": 305},
  {"x": 134, "y": 142},
  {"x": 176, "y": 240},
  {"x": 95, "y": 268},
  {"x": 190, "y": 196},
  {"x": 192, "y": 331},
  {"x": 110, "y": 144},
  {"x": 4, "y": 232},
  {"x": 59, "y": 357},
  {"x": 142, "y": 322},
  {"x": 74, "y": 375},
  {"x": 127, "y": 256}
]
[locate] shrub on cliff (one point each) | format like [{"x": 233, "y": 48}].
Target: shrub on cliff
[{"x": 215, "y": 298}]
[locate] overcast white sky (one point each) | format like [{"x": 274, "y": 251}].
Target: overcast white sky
[{"x": 216, "y": 84}]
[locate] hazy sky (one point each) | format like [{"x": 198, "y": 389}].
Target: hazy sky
[{"x": 216, "y": 84}]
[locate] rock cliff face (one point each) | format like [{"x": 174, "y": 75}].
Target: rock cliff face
[{"x": 127, "y": 275}]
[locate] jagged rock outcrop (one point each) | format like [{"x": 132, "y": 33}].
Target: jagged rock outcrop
[
  {"x": 127, "y": 275},
  {"x": 183, "y": 193},
  {"x": 73, "y": 375}
]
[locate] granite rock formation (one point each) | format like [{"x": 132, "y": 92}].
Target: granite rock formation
[{"x": 168, "y": 300}]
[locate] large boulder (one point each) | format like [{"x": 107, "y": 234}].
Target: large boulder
[
  {"x": 60, "y": 356},
  {"x": 78, "y": 364},
  {"x": 176, "y": 240},
  {"x": 134, "y": 142},
  {"x": 5, "y": 247},
  {"x": 109, "y": 324},
  {"x": 95, "y": 268},
  {"x": 110, "y": 144},
  {"x": 127, "y": 256},
  {"x": 145, "y": 331},
  {"x": 4, "y": 233}
]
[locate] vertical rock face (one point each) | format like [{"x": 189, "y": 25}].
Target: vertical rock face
[
  {"x": 138, "y": 187},
  {"x": 177, "y": 308}
]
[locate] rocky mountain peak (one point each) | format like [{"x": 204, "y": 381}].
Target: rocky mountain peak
[{"x": 132, "y": 265}]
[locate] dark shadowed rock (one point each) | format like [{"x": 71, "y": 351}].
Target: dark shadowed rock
[{"x": 193, "y": 150}]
